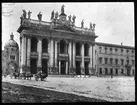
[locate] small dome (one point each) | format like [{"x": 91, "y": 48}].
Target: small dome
[{"x": 11, "y": 42}]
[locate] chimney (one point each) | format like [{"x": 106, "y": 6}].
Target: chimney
[{"x": 12, "y": 36}]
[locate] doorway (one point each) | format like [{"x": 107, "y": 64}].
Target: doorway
[
  {"x": 86, "y": 68},
  {"x": 63, "y": 67},
  {"x": 78, "y": 68},
  {"x": 33, "y": 66},
  {"x": 44, "y": 66}
]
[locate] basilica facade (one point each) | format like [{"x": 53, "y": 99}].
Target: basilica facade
[{"x": 58, "y": 47}]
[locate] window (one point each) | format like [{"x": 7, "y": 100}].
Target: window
[
  {"x": 12, "y": 57},
  {"x": 100, "y": 70},
  {"x": 132, "y": 51},
  {"x": 111, "y": 71},
  {"x": 116, "y": 61},
  {"x": 100, "y": 60},
  {"x": 106, "y": 60},
  {"x": 111, "y": 61},
  {"x": 122, "y": 71},
  {"x": 122, "y": 61},
  {"x": 116, "y": 71},
  {"x": 105, "y": 49},
  {"x": 100, "y": 48},
  {"x": 127, "y": 50},
  {"x": 127, "y": 61},
  {"x": 133, "y": 62},
  {"x": 121, "y": 50},
  {"x": 106, "y": 71},
  {"x": 110, "y": 50},
  {"x": 115, "y": 49},
  {"x": 133, "y": 72}
]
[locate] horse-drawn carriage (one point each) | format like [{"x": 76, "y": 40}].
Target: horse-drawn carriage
[{"x": 28, "y": 75}]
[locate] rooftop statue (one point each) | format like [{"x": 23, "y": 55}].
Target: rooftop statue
[
  {"x": 69, "y": 17},
  {"x": 29, "y": 14},
  {"x": 21, "y": 19},
  {"x": 90, "y": 26},
  {"x": 39, "y": 16},
  {"x": 52, "y": 15},
  {"x": 73, "y": 18},
  {"x": 62, "y": 9},
  {"x": 56, "y": 15},
  {"x": 24, "y": 14},
  {"x": 82, "y": 23},
  {"x": 94, "y": 26}
]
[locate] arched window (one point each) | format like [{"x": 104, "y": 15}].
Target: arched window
[
  {"x": 116, "y": 61},
  {"x": 86, "y": 49},
  {"x": 111, "y": 60},
  {"x": 44, "y": 46},
  {"x": 78, "y": 49},
  {"x": 34, "y": 44}
]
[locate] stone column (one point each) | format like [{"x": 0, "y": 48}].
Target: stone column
[
  {"x": 24, "y": 50},
  {"x": 90, "y": 54},
  {"x": 82, "y": 63},
  {"x": 74, "y": 55},
  {"x": 70, "y": 57},
  {"x": 59, "y": 66},
  {"x": 51, "y": 53},
  {"x": 55, "y": 53},
  {"x": 49, "y": 56},
  {"x": 23, "y": 53},
  {"x": 66, "y": 67},
  {"x": 39, "y": 50},
  {"x": 28, "y": 51}
]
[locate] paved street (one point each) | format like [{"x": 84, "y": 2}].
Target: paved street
[{"x": 117, "y": 89}]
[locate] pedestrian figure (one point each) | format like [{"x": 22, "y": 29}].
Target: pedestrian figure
[{"x": 39, "y": 16}]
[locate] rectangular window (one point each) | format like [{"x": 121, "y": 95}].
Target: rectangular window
[
  {"x": 122, "y": 71},
  {"x": 133, "y": 62},
  {"x": 106, "y": 60},
  {"x": 127, "y": 61},
  {"x": 100, "y": 69},
  {"x": 105, "y": 50},
  {"x": 116, "y": 71},
  {"x": 111, "y": 61},
  {"x": 122, "y": 62},
  {"x": 100, "y": 60},
  {"x": 12, "y": 57},
  {"x": 133, "y": 71},
  {"x": 116, "y": 61},
  {"x": 106, "y": 71}
]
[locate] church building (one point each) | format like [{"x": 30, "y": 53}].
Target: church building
[{"x": 59, "y": 47}]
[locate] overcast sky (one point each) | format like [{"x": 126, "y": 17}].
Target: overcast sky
[{"x": 114, "y": 21}]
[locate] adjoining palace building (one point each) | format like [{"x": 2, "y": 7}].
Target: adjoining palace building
[{"x": 59, "y": 47}]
